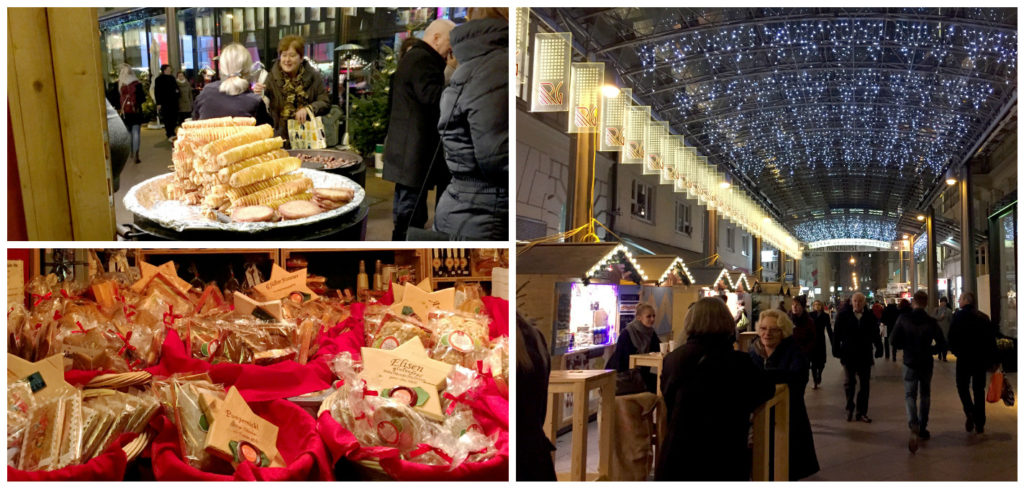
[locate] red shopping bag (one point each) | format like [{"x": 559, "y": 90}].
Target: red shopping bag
[{"x": 995, "y": 388}]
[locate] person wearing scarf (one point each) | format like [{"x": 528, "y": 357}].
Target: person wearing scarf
[
  {"x": 295, "y": 89},
  {"x": 638, "y": 338}
]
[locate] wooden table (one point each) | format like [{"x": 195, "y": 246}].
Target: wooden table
[
  {"x": 652, "y": 360},
  {"x": 579, "y": 383}
]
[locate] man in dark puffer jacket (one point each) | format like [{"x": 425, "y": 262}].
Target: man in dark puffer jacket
[{"x": 474, "y": 130}]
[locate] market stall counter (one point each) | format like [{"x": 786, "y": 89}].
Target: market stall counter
[{"x": 572, "y": 292}]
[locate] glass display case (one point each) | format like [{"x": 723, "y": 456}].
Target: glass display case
[{"x": 587, "y": 316}]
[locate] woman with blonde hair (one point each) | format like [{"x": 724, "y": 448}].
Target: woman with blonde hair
[
  {"x": 638, "y": 337},
  {"x": 776, "y": 352},
  {"x": 710, "y": 390},
  {"x": 231, "y": 95}
]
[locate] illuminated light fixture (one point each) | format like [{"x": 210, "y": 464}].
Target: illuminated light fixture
[
  {"x": 950, "y": 178},
  {"x": 610, "y": 91},
  {"x": 905, "y": 237},
  {"x": 585, "y": 84},
  {"x": 654, "y": 157},
  {"x": 852, "y": 261},
  {"x": 767, "y": 220},
  {"x": 613, "y": 120},
  {"x": 522, "y": 42},
  {"x": 920, "y": 217},
  {"x": 726, "y": 181},
  {"x": 551, "y": 63},
  {"x": 850, "y": 242}
]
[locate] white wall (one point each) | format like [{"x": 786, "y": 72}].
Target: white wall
[
  {"x": 734, "y": 257},
  {"x": 662, "y": 229},
  {"x": 543, "y": 175}
]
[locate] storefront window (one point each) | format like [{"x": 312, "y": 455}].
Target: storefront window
[
  {"x": 1008, "y": 274},
  {"x": 135, "y": 44},
  {"x": 157, "y": 43}
]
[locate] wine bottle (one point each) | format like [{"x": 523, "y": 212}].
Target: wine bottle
[
  {"x": 362, "y": 281},
  {"x": 449, "y": 262},
  {"x": 378, "y": 277},
  {"x": 437, "y": 262},
  {"x": 463, "y": 262}
]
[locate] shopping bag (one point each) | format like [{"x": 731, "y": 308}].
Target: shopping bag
[
  {"x": 995, "y": 387},
  {"x": 308, "y": 134},
  {"x": 1007, "y": 393}
]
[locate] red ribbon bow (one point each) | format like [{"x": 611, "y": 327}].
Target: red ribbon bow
[
  {"x": 425, "y": 448},
  {"x": 126, "y": 347},
  {"x": 41, "y": 298},
  {"x": 170, "y": 314},
  {"x": 454, "y": 400},
  {"x": 64, "y": 293},
  {"x": 57, "y": 315},
  {"x": 127, "y": 312},
  {"x": 81, "y": 330}
]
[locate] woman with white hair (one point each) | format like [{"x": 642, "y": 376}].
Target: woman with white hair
[
  {"x": 232, "y": 94},
  {"x": 776, "y": 351},
  {"x": 132, "y": 97}
]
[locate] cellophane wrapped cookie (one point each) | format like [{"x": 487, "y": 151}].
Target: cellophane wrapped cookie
[
  {"x": 181, "y": 396},
  {"x": 20, "y": 403},
  {"x": 395, "y": 330},
  {"x": 461, "y": 338}
]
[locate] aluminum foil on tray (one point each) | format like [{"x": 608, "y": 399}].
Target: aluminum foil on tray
[{"x": 147, "y": 200}]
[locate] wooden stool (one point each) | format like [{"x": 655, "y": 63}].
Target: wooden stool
[
  {"x": 652, "y": 360},
  {"x": 579, "y": 383}
]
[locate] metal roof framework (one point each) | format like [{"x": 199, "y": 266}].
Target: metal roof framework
[{"x": 816, "y": 109}]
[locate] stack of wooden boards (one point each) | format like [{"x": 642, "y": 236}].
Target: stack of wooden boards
[{"x": 229, "y": 163}]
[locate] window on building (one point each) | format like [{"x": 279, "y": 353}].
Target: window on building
[
  {"x": 642, "y": 206},
  {"x": 745, "y": 244},
  {"x": 683, "y": 222},
  {"x": 730, "y": 239}
]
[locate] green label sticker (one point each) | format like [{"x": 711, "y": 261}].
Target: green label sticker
[{"x": 35, "y": 381}]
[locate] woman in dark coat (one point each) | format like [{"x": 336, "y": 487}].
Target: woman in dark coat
[
  {"x": 710, "y": 391},
  {"x": 775, "y": 351},
  {"x": 638, "y": 338},
  {"x": 803, "y": 326},
  {"x": 533, "y": 368},
  {"x": 822, "y": 325},
  {"x": 294, "y": 88},
  {"x": 231, "y": 96},
  {"x": 474, "y": 130}
]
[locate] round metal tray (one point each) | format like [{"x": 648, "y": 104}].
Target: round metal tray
[{"x": 151, "y": 210}]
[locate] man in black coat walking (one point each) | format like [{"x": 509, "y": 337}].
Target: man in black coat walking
[
  {"x": 915, "y": 334},
  {"x": 166, "y": 91},
  {"x": 856, "y": 332},
  {"x": 412, "y": 159},
  {"x": 889, "y": 315},
  {"x": 972, "y": 339}
]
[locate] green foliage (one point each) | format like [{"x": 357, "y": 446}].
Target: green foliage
[{"x": 368, "y": 114}]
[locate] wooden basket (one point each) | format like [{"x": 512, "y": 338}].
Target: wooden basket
[{"x": 119, "y": 380}]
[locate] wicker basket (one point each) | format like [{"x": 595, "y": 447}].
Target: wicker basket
[
  {"x": 136, "y": 446},
  {"x": 119, "y": 380}
]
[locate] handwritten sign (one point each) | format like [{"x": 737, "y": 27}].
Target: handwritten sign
[{"x": 282, "y": 284}]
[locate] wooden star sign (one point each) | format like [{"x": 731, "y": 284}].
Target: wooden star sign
[
  {"x": 416, "y": 300},
  {"x": 282, "y": 284},
  {"x": 410, "y": 379},
  {"x": 46, "y": 376},
  {"x": 167, "y": 269},
  {"x": 264, "y": 310}
]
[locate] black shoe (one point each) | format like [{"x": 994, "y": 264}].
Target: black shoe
[
  {"x": 849, "y": 416},
  {"x": 912, "y": 444},
  {"x": 969, "y": 424},
  {"x": 864, "y": 418},
  {"x": 980, "y": 429},
  {"x": 925, "y": 435}
]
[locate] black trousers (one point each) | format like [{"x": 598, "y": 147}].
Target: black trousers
[
  {"x": 852, "y": 375},
  {"x": 169, "y": 116},
  {"x": 971, "y": 378},
  {"x": 408, "y": 198}
]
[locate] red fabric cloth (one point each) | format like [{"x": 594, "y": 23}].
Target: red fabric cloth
[
  {"x": 110, "y": 465},
  {"x": 389, "y": 297},
  {"x": 78, "y": 377},
  {"x": 497, "y": 308},
  {"x": 297, "y": 441}
]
